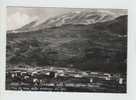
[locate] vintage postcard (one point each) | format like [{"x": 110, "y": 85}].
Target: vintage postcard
[{"x": 66, "y": 49}]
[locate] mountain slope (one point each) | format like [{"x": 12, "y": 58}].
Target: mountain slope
[{"x": 101, "y": 46}]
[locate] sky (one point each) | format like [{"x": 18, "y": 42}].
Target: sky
[{"x": 20, "y": 16}]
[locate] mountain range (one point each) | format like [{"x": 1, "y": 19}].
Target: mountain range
[
  {"x": 86, "y": 40},
  {"x": 75, "y": 17}
]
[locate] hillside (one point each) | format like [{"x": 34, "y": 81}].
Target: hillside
[{"x": 99, "y": 46}]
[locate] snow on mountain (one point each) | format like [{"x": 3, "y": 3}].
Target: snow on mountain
[
  {"x": 80, "y": 17},
  {"x": 74, "y": 17}
]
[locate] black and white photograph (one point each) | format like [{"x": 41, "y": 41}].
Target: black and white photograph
[{"x": 60, "y": 49}]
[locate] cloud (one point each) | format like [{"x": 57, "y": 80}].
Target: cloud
[{"x": 18, "y": 20}]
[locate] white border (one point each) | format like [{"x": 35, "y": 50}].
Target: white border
[{"x": 117, "y": 4}]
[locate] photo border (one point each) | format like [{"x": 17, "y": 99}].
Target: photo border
[{"x": 117, "y": 4}]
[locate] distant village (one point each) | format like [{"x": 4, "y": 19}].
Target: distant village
[{"x": 50, "y": 78}]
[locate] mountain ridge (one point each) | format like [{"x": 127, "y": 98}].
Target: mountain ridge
[
  {"x": 88, "y": 47},
  {"x": 75, "y": 17}
]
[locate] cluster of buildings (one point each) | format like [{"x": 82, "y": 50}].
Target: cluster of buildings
[{"x": 58, "y": 76}]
